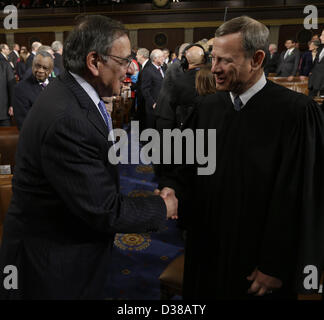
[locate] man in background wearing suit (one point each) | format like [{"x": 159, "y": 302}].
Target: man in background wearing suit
[
  {"x": 57, "y": 47},
  {"x": 152, "y": 79},
  {"x": 7, "y": 82},
  {"x": 316, "y": 78},
  {"x": 142, "y": 57},
  {"x": 34, "y": 47},
  {"x": 272, "y": 61},
  {"x": 14, "y": 54},
  {"x": 289, "y": 60},
  {"x": 67, "y": 205},
  {"x": 27, "y": 90}
]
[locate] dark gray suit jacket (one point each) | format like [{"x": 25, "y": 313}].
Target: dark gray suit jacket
[
  {"x": 7, "y": 82},
  {"x": 151, "y": 86},
  {"x": 316, "y": 78},
  {"x": 66, "y": 205},
  {"x": 289, "y": 66}
]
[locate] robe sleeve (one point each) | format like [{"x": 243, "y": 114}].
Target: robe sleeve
[{"x": 294, "y": 234}]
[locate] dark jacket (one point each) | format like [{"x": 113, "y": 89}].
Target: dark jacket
[
  {"x": 66, "y": 205},
  {"x": 25, "y": 94},
  {"x": 272, "y": 63},
  {"x": 289, "y": 66},
  {"x": 151, "y": 86},
  {"x": 316, "y": 79},
  {"x": 7, "y": 82}
]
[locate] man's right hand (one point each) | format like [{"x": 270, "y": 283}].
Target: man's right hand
[{"x": 170, "y": 200}]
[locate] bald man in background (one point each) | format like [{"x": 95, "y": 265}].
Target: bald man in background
[
  {"x": 184, "y": 92},
  {"x": 181, "y": 105}
]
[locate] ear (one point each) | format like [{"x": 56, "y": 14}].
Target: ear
[
  {"x": 257, "y": 59},
  {"x": 92, "y": 61}
]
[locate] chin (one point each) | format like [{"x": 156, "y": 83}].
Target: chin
[{"x": 221, "y": 87}]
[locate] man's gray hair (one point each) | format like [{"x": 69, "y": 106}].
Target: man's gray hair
[
  {"x": 155, "y": 53},
  {"x": 44, "y": 54},
  {"x": 56, "y": 46},
  {"x": 143, "y": 52},
  {"x": 182, "y": 48},
  {"x": 255, "y": 35},
  {"x": 45, "y": 48}
]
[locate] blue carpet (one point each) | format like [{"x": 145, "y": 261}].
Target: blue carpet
[{"x": 139, "y": 259}]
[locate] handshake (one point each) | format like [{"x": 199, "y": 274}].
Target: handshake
[{"x": 170, "y": 200}]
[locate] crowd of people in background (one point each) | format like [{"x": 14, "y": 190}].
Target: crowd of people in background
[
  {"x": 163, "y": 82},
  {"x": 260, "y": 212}
]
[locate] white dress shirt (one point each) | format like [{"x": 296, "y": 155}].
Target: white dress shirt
[{"x": 248, "y": 94}]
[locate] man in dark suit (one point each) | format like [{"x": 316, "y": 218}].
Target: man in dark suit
[
  {"x": 34, "y": 47},
  {"x": 27, "y": 90},
  {"x": 66, "y": 205},
  {"x": 7, "y": 82},
  {"x": 289, "y": 60},
  {"x": 14, "y": 54},
  {"x": 316, "y": 78},
  {"x": 57, "y": 47},
  {"x": 164, "y": 114},
  {"x": 142, "y": 57},
  {"x": 152, "y": 79},
  {"x": 272, "y": 60}
]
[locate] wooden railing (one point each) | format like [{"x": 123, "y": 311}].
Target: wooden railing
[{"x": 296, "y": 83}]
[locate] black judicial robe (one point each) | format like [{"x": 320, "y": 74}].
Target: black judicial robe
[{"x": 264, "y": 205}]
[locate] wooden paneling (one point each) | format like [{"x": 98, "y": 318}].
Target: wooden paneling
[
  {"x": 174, "y": 37},
  {"x": 25, "y": 39},
  {"x": 203, "y": 33},
  {"x": 2, "y": 38}
]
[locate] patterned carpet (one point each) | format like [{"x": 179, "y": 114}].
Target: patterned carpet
[{"x": 139, "y": 259}]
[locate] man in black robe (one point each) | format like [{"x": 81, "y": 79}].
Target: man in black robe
[{"x": 257, "y": 222}]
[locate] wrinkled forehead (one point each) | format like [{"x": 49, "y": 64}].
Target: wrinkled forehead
[
  {"x": 230, "y": 44},
  {"x": 46, "y": 61}
]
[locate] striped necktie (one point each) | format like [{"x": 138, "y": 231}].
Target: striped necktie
[
  {"x": 238, "y": 103},
  {"x": 107, "y": 118}
]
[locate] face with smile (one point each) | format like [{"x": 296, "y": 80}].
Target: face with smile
[
  {"x": 42, "y": 67},
  {"x": 234, "y": 71},
  {"x": 109, "y": 72}
]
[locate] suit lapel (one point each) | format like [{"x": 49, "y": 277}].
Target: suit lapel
[{"x": 85, "y": 102}]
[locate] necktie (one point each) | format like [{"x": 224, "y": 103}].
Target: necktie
[
  {"x": 286, "y": 54},
  {"x": 160, "y": 69},
  {"x": 106, "y": 116},
  {"x": 43, "y": 85},
  {"x": 238, "y": 103}
]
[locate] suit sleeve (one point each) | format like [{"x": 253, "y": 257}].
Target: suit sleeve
[{"x": 74, "y": 165}]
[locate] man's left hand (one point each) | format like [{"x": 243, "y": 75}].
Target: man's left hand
[
  {"x": 10, "y": 111},
  {"x": 263, "y": 284}
]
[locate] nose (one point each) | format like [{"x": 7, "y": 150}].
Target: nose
[{"x": 215, "y": 66}]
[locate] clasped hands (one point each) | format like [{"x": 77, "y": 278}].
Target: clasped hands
[
  {"x": 170, "y": 200},
  {"x": 262, "y": 284}
]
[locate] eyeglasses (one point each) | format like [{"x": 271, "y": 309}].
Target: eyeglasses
[{"x": 124, "y": 63}]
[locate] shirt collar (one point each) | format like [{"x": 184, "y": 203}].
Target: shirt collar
[
  {"x": 88, "y": 88},
  {"x": 45, "y": 82},
  {"x": 157, "y": 67},
  {"x": 247, "y": 95},
  {"x": 144, "y": 63}
]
